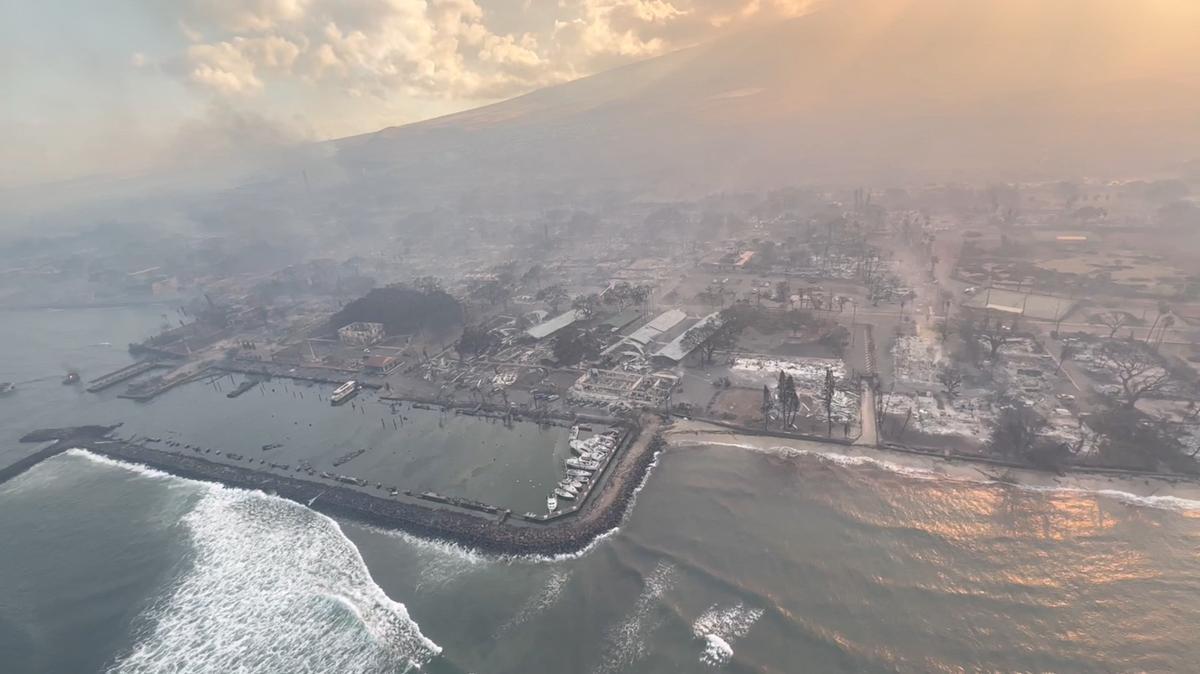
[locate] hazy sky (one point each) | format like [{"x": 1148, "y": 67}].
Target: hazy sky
[{"x": 120, "y": 86}]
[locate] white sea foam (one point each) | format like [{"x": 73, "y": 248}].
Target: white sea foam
[
  {"x": 1175, "y": 503},
  {"x": 272, "y": 587},
  {"x": 144, "y": 471},
  {"x": 718, "y": 626},
  {"x": 833, "y": 457},
  {"x": 441, "y": 562},
  {"x": 625, "y": 643},
  {"x": 547, "y": 597},
  {"x": 717, "y": 651}
]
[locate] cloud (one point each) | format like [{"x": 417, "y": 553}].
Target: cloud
[
  {"x": 442, "y": 49},
  {"x": 243, "y": 16}
]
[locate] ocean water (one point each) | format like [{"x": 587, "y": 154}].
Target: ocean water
[{"x": 730, "y": 560}]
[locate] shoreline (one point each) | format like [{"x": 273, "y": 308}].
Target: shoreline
[
  {"x": 602, "y": 512},
  {"x": 607, "y": 507},
  {"x": 1146, "y": 486}
]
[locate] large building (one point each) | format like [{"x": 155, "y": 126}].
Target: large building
[
  {"x": 548, "y": 328},
  {"x": 635, "y": 344},
  {"x": 679, "y": 348},
  {"x": 361, "y": 333},
  {"x": 381, "y": 365}
]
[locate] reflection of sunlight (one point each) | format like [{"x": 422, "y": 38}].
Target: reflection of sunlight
[{"x": 1007, "y": 526}]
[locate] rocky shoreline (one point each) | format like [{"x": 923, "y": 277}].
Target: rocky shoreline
[{"x": 513, "y": 536}]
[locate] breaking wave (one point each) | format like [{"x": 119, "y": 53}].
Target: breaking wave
[
  {"x": 547, "y": 597},
  {"x": 719, "y": 626},
  {"x": 1176, "y": 503},
  {"x": 271, "y": 586},
  {"x": 625, "y": 643},
  {"x": 833, "y": 457},
  {"x": 144, "y": 471}
]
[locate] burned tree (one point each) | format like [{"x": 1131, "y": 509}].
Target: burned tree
[
  {"x": 720, "y": 334},
  {"x": 573, "y": 345},
  {"x": 1113, "y": 320},
  {"x": 1138, "y": 372},
  {"x": 475, "y": 339},
  {"x": 585, "y": 305},
  {"x": 944, "y": 329},
  {"x": 828, "y": 390},
  {"x": 996, "y": 334},
  {"x": 789, "y": 399},
  {"x": 951, "y": 378},
  {"x": 554, "y": 296},
  {"x": 1017, "y": 431}
]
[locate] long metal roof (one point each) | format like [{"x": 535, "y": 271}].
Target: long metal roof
[
  {"x": 544, "y": 330},
  {"x": 679, "y": 348},
  {"x": 645, "y": 334}
]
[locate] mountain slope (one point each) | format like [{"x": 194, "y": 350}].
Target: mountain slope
[{"x": 906, "y": 90}]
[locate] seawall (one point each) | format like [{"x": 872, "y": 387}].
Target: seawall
[{"x": 603, "y": 510}]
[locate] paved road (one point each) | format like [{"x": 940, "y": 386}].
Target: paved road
[{"x": 870, "y": 429}]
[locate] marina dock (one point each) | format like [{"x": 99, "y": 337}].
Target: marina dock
[{"x": 124, "y": 374}]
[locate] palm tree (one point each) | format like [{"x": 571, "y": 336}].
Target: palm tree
[
  {"x": 1163, "y": 308},
  {"x": 1167, "y": 322}
]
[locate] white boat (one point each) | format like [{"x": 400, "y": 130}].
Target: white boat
[
  {"x": 343, "y": 393},
  {"x": 596, "y": 443},
  {"x": 574, "y": 433},
  {"x": 551, "y": 503},
  {"x": 578, "y": 472},
  {"x": 562, "y": 493},
  {"x": 582, "y": 463}
]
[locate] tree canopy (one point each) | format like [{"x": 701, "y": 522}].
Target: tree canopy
[{"x": 402, "y": 310}]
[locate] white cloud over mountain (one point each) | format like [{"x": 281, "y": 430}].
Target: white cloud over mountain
[{"x": 446, "y": 49}]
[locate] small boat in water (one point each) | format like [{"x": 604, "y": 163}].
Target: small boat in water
[
  {"x": 343, "y": 393},
  {"x": 551, "y": 503},
  {"x": 7, "y": 387},
  {"x": 71, "y": 378},
  {"x": 562, "y": 493}
]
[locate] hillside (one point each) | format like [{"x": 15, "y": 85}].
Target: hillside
[{"x": 907, "y": 90}]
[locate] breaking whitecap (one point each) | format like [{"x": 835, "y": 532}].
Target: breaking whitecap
[
  {"x": 718, "y": 626},
  {"x": 625, "y": 642},
  {"x": 1164, "y": 502},
  {"x": 717, "y": 651},
  {"x": 274, "y": 587},
  {"x": 536, "y": 604}
]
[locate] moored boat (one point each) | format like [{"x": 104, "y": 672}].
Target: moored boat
[{"x": 343, "y": 393}]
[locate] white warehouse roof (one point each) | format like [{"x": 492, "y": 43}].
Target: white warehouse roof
[
  {"x": 679, "y": 348},
  {"x": 544, "y": 330}
]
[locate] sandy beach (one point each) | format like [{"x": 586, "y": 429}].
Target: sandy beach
[{"x": 1176, "y": 492}]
